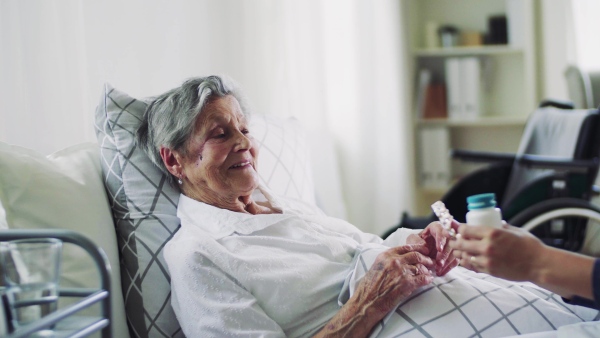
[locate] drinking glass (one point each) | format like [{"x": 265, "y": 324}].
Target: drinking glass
[{"x": 31, "y": 274}]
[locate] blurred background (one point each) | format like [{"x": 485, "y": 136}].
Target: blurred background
[{"x": 375, "y": 75}]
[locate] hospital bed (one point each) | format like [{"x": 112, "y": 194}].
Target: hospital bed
[{"x": 110, "y": 192}]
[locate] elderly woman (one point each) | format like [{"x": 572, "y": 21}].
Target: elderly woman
[{"x": 246, "y": 262}]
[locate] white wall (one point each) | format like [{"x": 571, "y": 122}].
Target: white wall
[{"x": 336, "y": 64}]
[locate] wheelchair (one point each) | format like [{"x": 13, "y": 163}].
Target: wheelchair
[{"x": 546, "y": 187}]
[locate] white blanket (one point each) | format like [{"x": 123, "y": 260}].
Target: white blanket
[{"x": 468, "y": 304}]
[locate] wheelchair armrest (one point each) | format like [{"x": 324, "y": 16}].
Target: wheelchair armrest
[
  {"x": 481, "y": 156},
  {"x": 557, "y": 163},
  {"x": 561, "y": 104}
]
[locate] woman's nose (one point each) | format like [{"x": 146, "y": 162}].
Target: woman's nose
[{"x": 243, "y": 142}]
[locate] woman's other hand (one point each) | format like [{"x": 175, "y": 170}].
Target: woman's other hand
[
  {"x": 508, "y": 252},
  {"x": 436, "y": 238},
  {"x": 394, "y": 275}
]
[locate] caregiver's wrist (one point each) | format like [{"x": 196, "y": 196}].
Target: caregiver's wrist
[
  {"x": 566, "y": 273},
  {"x": 542, "y": 265}
]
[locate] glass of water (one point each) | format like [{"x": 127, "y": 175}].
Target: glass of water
[{"x": 31, "y": 275}]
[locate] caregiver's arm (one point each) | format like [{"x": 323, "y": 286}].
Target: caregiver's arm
[
  {"x": 395, "y": 274},
  {"x": 515, "y": 254}
]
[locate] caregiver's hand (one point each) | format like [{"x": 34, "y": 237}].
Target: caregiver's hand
[
  {"x": 435, "y": 238},
  {"x": 508, "y": 252},
  {"x": 515, "y": 254},
  {"x": 395, "y": 274}
]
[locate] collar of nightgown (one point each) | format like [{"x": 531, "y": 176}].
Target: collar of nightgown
[{"x": 219, "y": 223}]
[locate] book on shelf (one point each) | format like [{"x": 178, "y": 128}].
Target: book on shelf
[
  {"x": 463, "y": 81},
  {"x": 434, "y": 106},
  {"x": 431, "y": 97}
]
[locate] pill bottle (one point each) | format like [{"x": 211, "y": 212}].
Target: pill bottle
[{"x": 483, "y": 210}]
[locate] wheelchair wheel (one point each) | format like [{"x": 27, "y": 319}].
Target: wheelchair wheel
[{"x": 560, "y": 222}]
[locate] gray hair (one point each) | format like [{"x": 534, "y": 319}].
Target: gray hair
[{"x": 169, "y": 120}]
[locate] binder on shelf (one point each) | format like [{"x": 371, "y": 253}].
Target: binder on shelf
[
  {"x": 434, "y": 144},
  {"x": 452, "y": 70},
  {"x": 471, "y": 86},
  {"x": 463, "y": 81}
]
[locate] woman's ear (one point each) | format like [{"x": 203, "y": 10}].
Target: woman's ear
[{"x": 172, "y": 161}]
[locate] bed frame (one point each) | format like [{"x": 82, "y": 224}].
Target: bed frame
[{"x": 68, "y": 324}]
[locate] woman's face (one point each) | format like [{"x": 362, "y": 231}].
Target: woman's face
[{"x": 220, "y": 162}]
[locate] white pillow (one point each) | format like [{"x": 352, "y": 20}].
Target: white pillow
[
  {"x": 284, "y": 160},
  {"x": 64, "y": 191}
]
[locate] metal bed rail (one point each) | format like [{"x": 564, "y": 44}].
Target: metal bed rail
[{"x": 90, "y": 296}]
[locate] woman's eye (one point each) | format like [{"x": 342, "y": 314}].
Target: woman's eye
[
  {"x": 245, "y": 131},
  {"x": 219, "y": 133}
]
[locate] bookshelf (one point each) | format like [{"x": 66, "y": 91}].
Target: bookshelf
[{"x": 508, "y": 92}]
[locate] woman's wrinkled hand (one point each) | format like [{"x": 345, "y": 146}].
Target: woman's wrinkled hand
[
  {"x": 508, "y": 252},
  {"x": 395, "y": 274},
  {"x": 436, "y": 238}
]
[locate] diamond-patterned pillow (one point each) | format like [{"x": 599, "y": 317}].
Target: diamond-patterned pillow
[
  {"x": 144, "y": 205},
  {"x": 284, "y": 157}
]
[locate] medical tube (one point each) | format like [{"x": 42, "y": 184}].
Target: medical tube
[{"x": 483, "y": 210}]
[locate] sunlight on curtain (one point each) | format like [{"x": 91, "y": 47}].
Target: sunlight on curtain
[
  {"x": 43, "y": 81},
  {"x": 336, "y": 65},
  {"x": 365, "y": 109},
  {"x": 586, "y": 27}
]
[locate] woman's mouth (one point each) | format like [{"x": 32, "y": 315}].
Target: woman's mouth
[{"x": 240, "y": 165}]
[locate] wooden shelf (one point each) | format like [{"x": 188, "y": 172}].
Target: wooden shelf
[
  {"x": 485, "y": 121},
  {"x": 468, "y": 50}
]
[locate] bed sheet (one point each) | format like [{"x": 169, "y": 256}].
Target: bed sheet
[{"x": 468, "y": 304}]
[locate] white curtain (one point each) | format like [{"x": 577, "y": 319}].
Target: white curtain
[
  {"x": 585, "y": 28},
  {"x": 567, "y": 36},
  {"x": 337, "y": 65}
]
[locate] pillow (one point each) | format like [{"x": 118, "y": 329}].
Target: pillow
[
  {"x": 63, "y": 191},
  {"x": 284, "y": 157},
  {"x": 144, "y": 205}
]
